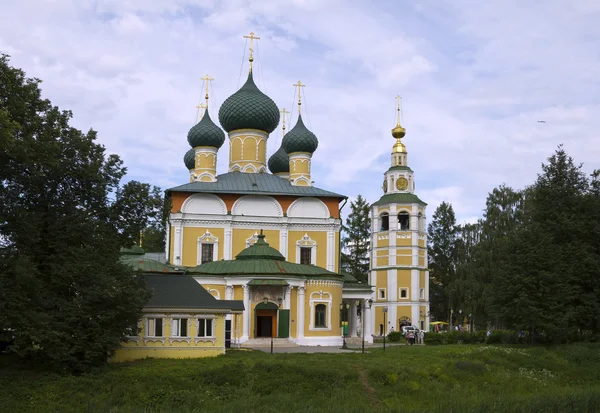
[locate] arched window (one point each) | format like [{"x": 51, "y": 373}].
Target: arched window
[
  {"x": 321, "y": 315},
  {"x": 403, "y": 221},
  {"x": 385, "y": 222}
]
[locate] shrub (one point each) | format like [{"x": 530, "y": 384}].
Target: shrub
[{"x": 395, "y": 336}]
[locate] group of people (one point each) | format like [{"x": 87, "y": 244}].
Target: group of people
[{"x": 414, "y": 337}]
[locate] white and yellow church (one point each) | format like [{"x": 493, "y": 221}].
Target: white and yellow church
[{"x": 268, "y": 244}]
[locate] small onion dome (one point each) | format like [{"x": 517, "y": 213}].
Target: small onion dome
[
  {"x": 260, "y": 251},
  {"x": 190, "y": 159},
  {"x": 300, "y": 139},
  {"x": 398, "y": 132},
  {"x": 279, "y": 162},
  {"x": 206, "y": 133},
  {"x": 399, "y": 147},
  {"x": 249, "y": 108}
]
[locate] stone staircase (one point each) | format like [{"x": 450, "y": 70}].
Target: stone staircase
[
  {"x": 354, "y": 341},
  {"x": 266, "y": 342}
]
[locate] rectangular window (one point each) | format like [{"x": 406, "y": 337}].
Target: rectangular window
[
  {"x": 305, "y": 256},
  {"x": 205, "y": 327},
  {"x": 404, "y": 293},
  {"x": 179, "y": 327},
  {"x": 154, "y": 327},
  {"x": 207, "y": 252},
  {"x": 382, "y": 293},
  {"x": 422, "y": 293},
  {"x": 321, "y": 315}
]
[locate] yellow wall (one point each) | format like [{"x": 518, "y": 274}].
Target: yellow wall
[
  {"x": 238, "y": 292},
  {"x": 403, "y": 311},
  {"x": 294, "y": 313},
  {"x": 404, "y": 279},
  {"x": 250, "y": 144},
  {"x": 241, "y": 235},
  {"x": 300, "y": 166},
  {"x": 219, "y": 288},
  {"x": 235, "y": 152},
  {"x": 404, "y": 260},
  {"x": 206, "y": 160},
  {"x": 320, "y": 237},
  {"x": 336, "y": 300},
  {"x": 190, "y": 243},
  {"x": 383, "y": 242},
  {"x": 379, "y": 320},
  {"x": 172, "y": 347},
  {"x": 382, "y": 282},
  {"x": 422, "y": 243},
  {"x": 383, "y": 261},
  {"x": 403, "y": 242},
  {"x": 421, "y": 261}
]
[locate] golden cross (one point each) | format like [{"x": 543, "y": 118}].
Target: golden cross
[
  {"x": 251, "y": 37},
  {"x": 201, "y": 106},
  {"x": 206, "y": 79},
  {"x": 399, "y": 103},
  {"x": 284, "y": 112},
  {"x": 299, "y": 85}
]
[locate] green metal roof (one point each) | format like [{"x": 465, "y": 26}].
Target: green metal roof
[
  {"x": 267, "y": 282},
  {"x": 279, "y": 162},
  {"x": 255, "y": 184},
  {"x": 249, "y": 108},
  {"x": 189, "y": 159},
  {"x": 206, "y": 133},
  {"x": 400, "y": 168},
  {"x": 180, "y": 291},
  {"x": 260, "y": 250},
  {"x": 299, "y": 139},
  {"x": 261, "y": 267},
  {"x": 134, "y": 250},
  {"x": 402, "y": 198},
  {"x": 145, "y": 264}
]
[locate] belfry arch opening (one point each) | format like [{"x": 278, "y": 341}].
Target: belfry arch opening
[
  {"x": 404, "y": 221},
  {"x": 384, "y": 220}
]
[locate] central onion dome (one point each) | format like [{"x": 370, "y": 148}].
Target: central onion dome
[
  {"x": 260, "y": 250},
  {"x": 249, "y": 108},
  {"x": 190, "y": 159},
  {"x": 300, "y": 139},
  {"x": 206, "y": 133},
  {"x": 279, "y": 162}
]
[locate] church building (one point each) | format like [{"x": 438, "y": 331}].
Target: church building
[{"x": 272, "y": 240}]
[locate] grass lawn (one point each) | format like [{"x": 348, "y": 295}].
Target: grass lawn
[{"x": 459, "y": 378}]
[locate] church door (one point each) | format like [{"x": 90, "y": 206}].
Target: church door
[
  {"x": 284, "y": 324},
  {"x": 227, "y": 333},
  {"x": 264, "y": 326}
]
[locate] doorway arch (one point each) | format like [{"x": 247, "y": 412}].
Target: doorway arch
[{"x": 265, "y": 319}]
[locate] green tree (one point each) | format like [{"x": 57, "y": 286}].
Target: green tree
[
  {"x": 138, "y": 208},
  {"x": 64, "y": 294},
  {"x": 356, "y": 240},
  {"x": 442, "y": 235}
]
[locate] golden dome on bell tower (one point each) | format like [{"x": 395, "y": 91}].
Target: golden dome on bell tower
[{"x": 398, "y": 132}]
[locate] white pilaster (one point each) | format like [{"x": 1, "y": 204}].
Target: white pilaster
[
  {"x": 247, "y": 310},
  {"x": 414, "y": 319},
  {"x": 353, "y": 318},
  {"x": 392, "y": 285},
  {"x": 414, "y": 285},
  {"x": 229, "y": 296},
  {"x": 287, "y": 298},
  {"x": 178, "y": 259},
  {"x": 300, "y": 318},
  {"x": 283, "y": 242},
  {"x": 369, "y": 321},
  {"x": 392, "y": 318},
  {"x": 227, "y": 246},
  {"x": 330, "y": 250},
  {"x": 167, "y": 243}
]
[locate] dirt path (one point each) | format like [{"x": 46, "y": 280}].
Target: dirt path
[{"x": 375, "y": 403}]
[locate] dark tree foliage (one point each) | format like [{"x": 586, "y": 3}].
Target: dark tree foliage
[
  {"x": 138, "y": 208},
  {"x": 442, "y": 234},
  {"x": 65, "y": 297},
  {"x": 356, "y": 240},
  {"x": 532, "y": 263}
]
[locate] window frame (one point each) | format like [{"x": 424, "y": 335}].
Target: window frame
[
  {"x": 384, "y": 291},
  {"x": 421, "y": 293},
  {"x": 162, "y": 327},
  {"x": 180, "y": 321},
  {"x": 205, "y": 320},
  {"x": 406, "y": 214},
  {"x": 381, "y": 220},
  {"x": 320, "y": 309},
  {"x": 303, "y": 251},
  {"x": 400, "y": 290}
]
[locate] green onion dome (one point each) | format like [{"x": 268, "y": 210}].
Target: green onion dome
[
  {"x": 190, "y": 159},
  {"x": 249, "y": 108},
  {"x": 260, "y": 250},
  {"x": 300, "y": 139},
  {"x": 279, "y": 162},
  {"x": 206, "y": 133}
]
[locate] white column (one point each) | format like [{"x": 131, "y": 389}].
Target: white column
[
  {"x": 229, "y": 296},
  {"x": 227, "y": 246},
  {"x": 283, "y": 242},
  {"x": 300, "y": 318},
  {"x": 330, "y": 250},
  {"x": 247, "y": 310},
  {"x": 167, "y": 243},
  {"x": 368, "y": 323},
  {"x": 287, "y": 298},
  {"x": 177, "y": 250},
  {"x": 353, "y": 319},
  {"x": 414, "y": 285}
]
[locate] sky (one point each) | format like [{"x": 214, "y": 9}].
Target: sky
[{"x": 476, "y": 78}]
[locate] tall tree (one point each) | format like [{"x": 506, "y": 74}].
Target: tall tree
[
  {"x": 442, "y": 235},
  {"x": 64, "y": 294},
  {"x": 356, "y": 239},
  {"x": 139, "y": 208}
]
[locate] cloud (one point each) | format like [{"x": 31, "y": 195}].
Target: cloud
[{"x": 475, "y": 78}]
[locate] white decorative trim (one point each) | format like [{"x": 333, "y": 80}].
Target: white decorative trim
[
  {"x": 214, "y": 200},
  {"x": 301, "y": 179},
  {"x": 237, "y": 206},
  {"x": 320, "y": 297},
  {"x": 379, "y": 291},
  {"x": 316, "y": 208},
  {"x": 307, "y": 242},
  {"x": 331, "y": 251},
  {"x": 207, "y": 238},
  {"x": 324, "y": 283},
  {"x": 249, "y": 168},
  {"x": 217, "y": 295},
  {"x": 203, "y": 174}
]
